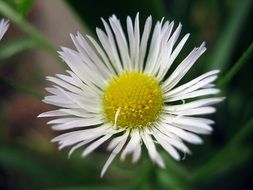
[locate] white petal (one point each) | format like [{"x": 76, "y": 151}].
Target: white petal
[
  {"x": 102, "y": 54},
  {"x": 194, "y": 104},
  {"x": 176, "y": 142},
  {"x": 144, "y": 42},
  {"x": 136, "y": 153},
  {"x": 74, "y": 137},
  {"x": 75, "y": 123},
  {"x": 65, "y": 85},
  {"x": 197, "y": 93},
  {"x": 74, "y": 61},
  {"x": 154, "y": 155},
  {"x": 95, "y": 144},
  {"x": 121, "y": 42},
  {"x": 114, "y": 153},
  {"x": 196, "y": 125},
  {"x": 4, "y": 25},
  {"x": 132, "y": 144},
  {"x": 195, "y": 111},
  {"x": 172, "y": 151},
  {"x": 53, "y": 113},
  {"x": 79, "y": 145},
  {"x": 186, "y": 136},
  {"x": 109, "y": 46},
  {"x": 192, "y": 82},
  {"x": 183, "y": 68}
]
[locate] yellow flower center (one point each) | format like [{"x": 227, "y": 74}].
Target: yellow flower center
[{"x": 132, "y": 100}]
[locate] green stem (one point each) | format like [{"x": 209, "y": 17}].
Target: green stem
[
  {"x": 230, "y": 34},
  {"x": 143, "y": 181},
  {"x": 242, "y": 134},
  {"x": 236, "y": 67},
  {"x": 21, "y": 89},
  {"x": 225, "y": 159},
  {"x": 19, "y": 20}
]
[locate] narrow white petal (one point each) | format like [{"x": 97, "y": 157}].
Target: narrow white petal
[
  {"x": 77, "y": 123},
  {"x": 102, "y": 54},
  {"x": 198, "y": 85},
  {"x": 121, "y": 42},
  {"x": 154, "y": 155},
  {"x": 74, "y": 137},
  {"x": 79, "y": 145},
  {"x": 137, "y": 42},
  {"x": 194, "y": 94},
  {"x": 186, "y": 136},
  {"x": 154, "y": 49},
  {"x": 79, "y": 113},
  {"x": 4, "y": 25},
  {"x": 183, "y": 68},
  {"x": 86, "y": 104},
  {"x": 114, "y": 142},
  {"x": 195, "y": 111},
  {"x": 193, "y": 104},
  {"x": 53, "y": 113},
  {"x": 144, "y": 42},
  {"x": 65, "y": 85},
  {"x": 95, "y": 144},
  {"x": 74, "y": 61},
  {"x": 136, "y": 153},
  {"x": 172, "y": 151},
  {"x": 109, "y": 46},
  {"x": 132, "y": 144},
  {"x": 114, "y": 153},
  {"x": 175, "y": 142},
  {"x": 196, "y": 125}
]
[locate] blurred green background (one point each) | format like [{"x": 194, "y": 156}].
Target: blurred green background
[{"x": 28, "y": 53}]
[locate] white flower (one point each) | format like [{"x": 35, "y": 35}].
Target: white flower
[
  {"x": 118, "y": 90},
  {"x": 4, "y": 25}
]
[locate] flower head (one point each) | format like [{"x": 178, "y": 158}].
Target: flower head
[
  {"x": 4, "y": 25},
  {"x": 118, "y": 90}
]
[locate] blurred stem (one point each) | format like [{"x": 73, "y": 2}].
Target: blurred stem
[
  {"x": 13, "y": 47},
  {"x": 236, "y": 67},
  {"x": 19, "y": 20},
  {"x": 242, "y": 134},
  {"x": 21, "y": 89},
  {"x": 174, "y": 176},
  {"x": 225, "y": 159},
  {"x": 227, "y": 40},
  {"x": 143, "y": 182}
]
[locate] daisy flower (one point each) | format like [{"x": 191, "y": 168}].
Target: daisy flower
[
  {"x": 121, "y": 89},
  {"x": 4, "y": 25}
]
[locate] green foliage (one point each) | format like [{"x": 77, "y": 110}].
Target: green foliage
[
  {"x": 21, "y": 6},
  {"x": 14, "y": 47}
]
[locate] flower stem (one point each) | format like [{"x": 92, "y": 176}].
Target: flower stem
[
  {"x": 19, "y": 88},
  {"x": 226, "y": 159},
  {"x": 20, "y": 21},
  {"x": 236, "y": 67}
]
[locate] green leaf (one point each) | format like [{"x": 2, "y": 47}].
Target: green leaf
[
  {"x": 228, "y": 38},
  {"x": 13, "y": 47},
  {"x": 20, "y": 160},
  {"x": 19, "y": 88},
  {"x": 38, "y": 38},
  {"x": 174, "y": 176},
  {"x": 24, "y": 6},
  {"x": 226, "y": 159},
  {"x": 21, "y": 6},
  {"x": 244, "y": 59}
]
